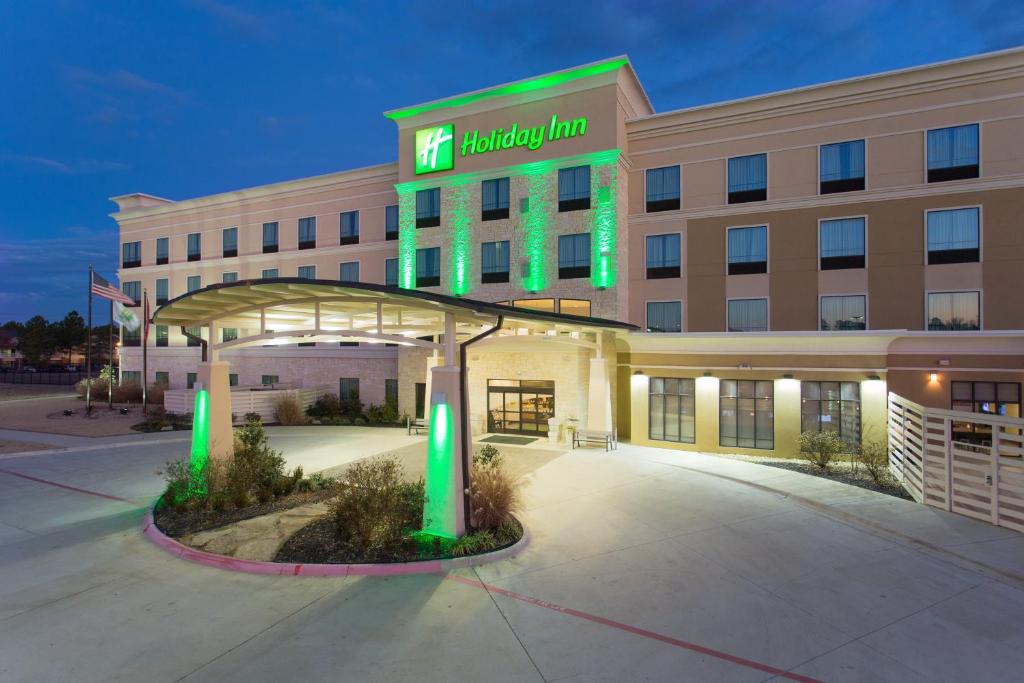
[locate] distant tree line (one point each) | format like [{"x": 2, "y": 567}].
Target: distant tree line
[{"x": 39, "y": 340}]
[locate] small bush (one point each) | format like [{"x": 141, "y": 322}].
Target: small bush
[
  {"x": 493, "y": 496},
  {"x": 288, "y": 411},
  {"x": 256, "y": 467},
  {"x": 128, "y": 392},
  {"x": 473, "y": 544},
  {"x": 327, "y": 406},
  {"x": 486, "y": 456},
  {"x": 253, "y": 417},
  {"x": 155, "y": 394},
  {"x": 821, "y": 448},
  {"x": 351, "y": 408},
  {"x": 375, "y": 507},
  {"x": 99, "y": 388},
  {"x": 178, "y": 476},
  {"x": 359, "y": 421},
  {"x": 874, "y": 456}
]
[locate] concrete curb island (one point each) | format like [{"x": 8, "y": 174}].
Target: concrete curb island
[{"x": 184, "y": 552}]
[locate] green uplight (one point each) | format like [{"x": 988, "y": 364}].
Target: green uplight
[
  {"x": 199, "y": 455},
  {"x": 461, "y": 238},
  {"x": 528, "y": 85},
  {"x": 536, "y": 226},
  {"x": 406, "y": 238},
  {"x": 440, "y": 466},
  {"x": 604, "y": 228}
]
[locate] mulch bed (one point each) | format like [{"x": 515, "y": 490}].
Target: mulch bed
[
  {"x": 842, "y": 474},
  {"x": 175, "y": 524},
  {"x": 318, "y": 543}
]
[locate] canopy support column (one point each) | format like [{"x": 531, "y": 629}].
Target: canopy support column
[{"x": 215, "y": 379}]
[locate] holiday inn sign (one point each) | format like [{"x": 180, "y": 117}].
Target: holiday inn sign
[{"x": 435, "y": 146}]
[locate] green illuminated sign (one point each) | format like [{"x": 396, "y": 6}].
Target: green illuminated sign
[{"x": 435, "y": 149}]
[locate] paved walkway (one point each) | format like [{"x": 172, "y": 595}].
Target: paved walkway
[{"x": 644, "y": 565}]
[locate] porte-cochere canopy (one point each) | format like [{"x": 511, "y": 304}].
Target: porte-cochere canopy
[{"x": 289, "y": 310}]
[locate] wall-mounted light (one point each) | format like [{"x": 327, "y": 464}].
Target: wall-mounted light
[
  {"x": 707, "y": 373},
  {"x": 875, "y": 377},
  {"x": 788, "y": 375},
  {"x": 933, "y": 377},
  {"x": 638, "y": 373}
]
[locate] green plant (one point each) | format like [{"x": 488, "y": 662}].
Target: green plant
[
  {"x": 473, "y": 544},
  {"x": 375, "y": 508},
  {"x": 127, "y": 392},
  {"x": 288, "y": 411},
  {"x": 155, "y": 394},
  {"x": 178, "y": 476},
  {"x": 874, "y": 457},
  {"x": 486, "y": 456},
  {"x": 320, "y": 482},
  {"x": 494, "y": 495},
  {"x": 256, "y": 468},
  {"x": 821, "y": 448},
  {"x": 253, "y": 417},
  {"x": 326, "y": 406}
]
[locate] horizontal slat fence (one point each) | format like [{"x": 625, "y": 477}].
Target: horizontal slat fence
[{"x": 245, "y": 400}]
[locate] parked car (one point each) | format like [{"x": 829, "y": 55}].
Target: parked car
[{"x": 29, "y": 368}]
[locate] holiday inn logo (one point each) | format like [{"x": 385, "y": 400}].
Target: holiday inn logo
[{"x": 435, "y": 149}]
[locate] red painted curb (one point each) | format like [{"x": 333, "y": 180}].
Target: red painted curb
[{"x": 182, "y": 551}]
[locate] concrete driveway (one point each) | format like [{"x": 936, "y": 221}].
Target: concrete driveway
[{"x": 644, "y": 564}]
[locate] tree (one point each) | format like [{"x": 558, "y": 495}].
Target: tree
[
  {"x": 36, "y": 341},
  {"x": 69, "y": 334}
]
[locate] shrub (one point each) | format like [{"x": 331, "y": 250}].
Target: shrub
[
  {"x": 821, "y": 448},
  {"x": 493, "y": 496},
  {"x": 874, "y": 456},
  {"x": 128, "y": 392},
  {"x": 385, "y": 414},
  {"x": 256, "y": 467},
  {"x": 359, "y": 421},
  {"x": 155, "y": 394},
  {"x": 288, "y": 411},
  {"x": 375, "y": 507},
  {"x": 178, "y": 476},
  {"x": 326, "y": 406},
  {"x": 473, "y": 544},
  {"x": 253, "y": 417},
  {"x": 99, "y": 388},
  {"x": 486, "y": 456},
  {"x": 351, "y": 408}
]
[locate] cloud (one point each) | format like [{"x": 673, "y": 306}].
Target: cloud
[
  {"x": 123, "y": 80},
  {"x": 237, "y": 19},
  {"x": 113, "y": 97},
  {"x": 78, "y": 167}
]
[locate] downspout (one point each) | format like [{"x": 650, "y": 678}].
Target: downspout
[
  {"x": 192, "y": 337},
  {"x": 466, "y": 427}
]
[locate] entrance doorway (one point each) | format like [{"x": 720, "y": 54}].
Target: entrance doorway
[{"x": 517, "y": 406}]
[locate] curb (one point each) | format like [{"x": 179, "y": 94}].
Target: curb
[{"x": 184, "y": 552}]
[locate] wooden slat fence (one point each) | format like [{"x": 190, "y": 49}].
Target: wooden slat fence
[{"x": 246, "y": 400}]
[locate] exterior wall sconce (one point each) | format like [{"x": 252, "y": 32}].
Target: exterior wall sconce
[
  {"x": 707, "y": 373},
  {"x": 788, "y": 375},
  {"x": 876, "y": 377},
  {"x": 638, "y": 373},
  {"x": 933, "y": 377}
]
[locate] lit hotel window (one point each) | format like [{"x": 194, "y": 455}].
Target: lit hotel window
[
  {"x": 953, "y": 236},
  {"x": 131, "y": 254},
  {"x": 270, "y": 238},
  {"x": 662, "y": 189},
  {"x": 574, "y": 256},
  {"x": 748, "y": 315},
  {"x": 494, "y": 199},
  {"x": 842, "y": 243},
  {"x": 228, "y": 334},
  {"x": 748, "y": 250},
  {"x": 195, "y": 246},
  {"x": 662, "y": 256},
  {"x": 307, "y": 232},
  {"x": 664, "y": 316},
  {"x": 428, "y": 208},
  {"x": 949, "y": 311},
  {"x": 391, "y": 222},
  {"x": 672, "y": 410},
  {"x": 746, "y": 413},
  {"x": 229, "y": 238},
  {"x": 841, "y": 167},
  {"x": 843, "y": 312},
  {"x": 428, "y": 267},
  {"x": 574, "y": 188},
  {"x": 580, "y": 307},
  {"x": 953, "y": 153},
  {"x": 494, "y": 262},
  {"x": 831, "y": 407},
  {"x": 546, "y": 305},
  {"x": 748, "y": 179},
  {"x": 349, "y": 228}
]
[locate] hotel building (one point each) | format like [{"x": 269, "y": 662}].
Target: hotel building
[{"x": 786, "y": 259}]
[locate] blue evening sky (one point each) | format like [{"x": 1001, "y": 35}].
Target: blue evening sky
[{"x": 182, "y": 99}]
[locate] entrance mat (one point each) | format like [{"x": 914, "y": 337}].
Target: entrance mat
[{"x": 511, "y": 440}]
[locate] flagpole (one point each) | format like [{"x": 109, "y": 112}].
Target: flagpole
[
  {"x": 110, "y": 380},
  {"x": 88, "y": 353},
  {"x": 145, "y": 343}
]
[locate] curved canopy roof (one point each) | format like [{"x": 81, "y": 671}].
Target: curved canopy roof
[{"x": 329, "y": 310}]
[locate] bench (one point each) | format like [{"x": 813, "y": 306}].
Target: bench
[
  {"x": 416, "y": 425},
  {"x": 582, "y": 437}
]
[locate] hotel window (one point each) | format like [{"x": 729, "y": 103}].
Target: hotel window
[
  {"x": 391, "y": 222},
  {"x": 662, "y": 256},
  {"x": 748, "y": 315},
  {"x": 269, "y": 380},
  {"x": 307, "y": 232},
  {"x": 748, "y": 250},
  {"x": 162, "y": 250},
  {"x": 133, "y": 288},
  {"x": 662, "y": 189},
  {"x": 349, "y": 271},
  {"x": 195, "y": 246},
  {"x": 270, "y": 238},
  {"x": 428, "y": 208},
  {"x": 664, "y": 316},
  {"x": 494, "y": 199},
  {"x": 546, "y": 305},
  {"x": 574, "y": 188},
  {"x": 228, "y": 334},
  {"x": 953, "y": 236},
  {"x": 306, "y": 273},
  {"x": 580, "y": 307},
  {"x": 949, "y": 311},
  {"x": 229, "y": 238},
  {"x": 843, "y": 312},
  {"x": 269, "y": 273},
  {"x": 190, "y": 380},
  {"x": 161, "y": 291},
  {"x": 131, "y": 254},
  {"x": 196, "y": 332},
  {"x": 831, "y": 407},
  {"x": 233, "y": 379},
  {"x": 841, "y": 243},
  {"x": 841, "y": 167},
  {"x": 348, "y": 388},
  {"x": 672, "y": 410},
  {"x": 494, "y": 262},
  {"x": 131, "y": 376},
  {"x": 748, "y": 179},
  {"x": 231, "y": 276},
  {"x": 131, "y": 337},
  {"x": 193, "y": 283},
  {"x": 349, "y": 228},
  {"x": 391, "y": 392},
  {"x": 391, "y": 272},
  {"x": 746, "y": 413},
  {"x": 161, "y": 335},
  {"x": 428, "y": 267},
  {"x": 953, "y": 153},
  {"x": 987, "y": 398},
  {"x": 162, "y": 378},
  {"x": 574, "y": 256}
]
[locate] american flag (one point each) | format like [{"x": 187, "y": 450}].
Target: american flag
[{"x": 102, "y": 288}]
